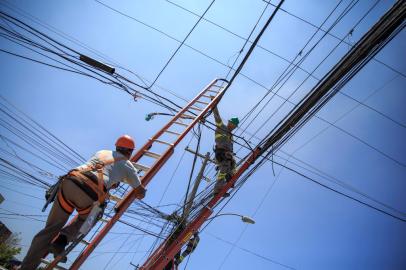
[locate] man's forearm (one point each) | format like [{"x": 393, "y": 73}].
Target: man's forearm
[{"x": 216, "y": 115}]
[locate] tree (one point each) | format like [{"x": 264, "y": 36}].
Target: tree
[{"x": 9, "y": 248}]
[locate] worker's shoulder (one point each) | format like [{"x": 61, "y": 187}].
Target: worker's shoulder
[
  {"x": 104, "y": 154},
  {"x": 121, "y": 159}
]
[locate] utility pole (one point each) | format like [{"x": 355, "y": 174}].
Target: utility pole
[{"x": 192, "y": 194}]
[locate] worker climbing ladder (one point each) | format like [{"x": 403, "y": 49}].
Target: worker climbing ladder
[{"x": 153, "y": 155}]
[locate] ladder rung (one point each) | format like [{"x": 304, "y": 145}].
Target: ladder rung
[
  {"x": 163, "y": 142},
  {"x": 188, "y": 116},
  {"x": 179, "y": 123},
  {"x": 141, "y": 167},
  {"x": 209, "y": 90},
  {"x": 202, "y": 102},
  {"x": 206, "y": 96},
  {"x": 172, "y": 132},
  {"x": 195, "y": 108},
  {"x": 151, "y": 154},
  {"x": 56, "y": 267},
  {"x": 115, "y": 198}
]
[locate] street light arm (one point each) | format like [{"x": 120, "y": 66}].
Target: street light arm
[{"x": 244, "y": 219}]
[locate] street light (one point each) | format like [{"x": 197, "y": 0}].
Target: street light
[{"x": 245, "y": 219}]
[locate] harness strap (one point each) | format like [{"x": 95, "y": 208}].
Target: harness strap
[
  {"x": 100, "y": 181},
  {"x": 98, "y": 189},
  {"x": 64, "y": 203},
  {"x": 85, "y": 211}
]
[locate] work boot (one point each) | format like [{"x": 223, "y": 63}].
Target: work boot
[{"x": 58, "y": 247}]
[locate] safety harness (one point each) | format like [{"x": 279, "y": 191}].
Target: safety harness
[
  {"x": 223, "y": 140},
  {"x": 223, "y": 151},
  {"x": 85, "y": 182}
]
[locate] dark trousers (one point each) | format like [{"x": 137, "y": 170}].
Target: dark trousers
[{"x": 57, "y": 218}]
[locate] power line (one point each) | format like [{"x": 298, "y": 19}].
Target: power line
[
  {"x": 336, "y": 37},
  {"x": 22, "y": 193},
  {"x": 339, "y": 128},
  {"x": 254, "y": 43},
  {"x": 22, "y": 215},
  {"x": 341, "y": 193},
  {"x": 292, "y": 62},
  {"x": 269, "y": 51},
  {"x": 81, "y": 158},
  {"x": 262, "y": 86},
  {"x": 181, "y": 44},
  {"x": 246, "y": 41},
  {"x": 116, "y": 81},
  {"x": 372, "y": 42},
  {"x": 250, "y": 251},
  {"x": 288, "y": 72},
  {"x": 70, "y": 38}
]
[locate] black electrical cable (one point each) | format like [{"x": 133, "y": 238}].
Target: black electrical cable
[
  {"x": 179, "y": 106},
  {"x": 181, "y": 44},
  {"x": 254, "y": 43},
  {"x": 246, "y": 41},
  {"x": 288, "y": 70},
  {"x": 336, "y": 37}
]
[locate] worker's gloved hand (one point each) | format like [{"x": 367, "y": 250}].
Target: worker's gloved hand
[{"x": 140, "y": 192}]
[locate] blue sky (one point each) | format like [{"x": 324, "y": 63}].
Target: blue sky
[{"x": 298, "y": 223}]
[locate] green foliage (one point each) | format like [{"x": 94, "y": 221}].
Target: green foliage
[{"x": 9, "y": 249}]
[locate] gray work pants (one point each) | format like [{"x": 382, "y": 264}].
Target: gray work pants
[{"x": 56, "y": 220}]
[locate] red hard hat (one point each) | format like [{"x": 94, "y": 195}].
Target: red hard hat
[{"x": 125, "y": 141}]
